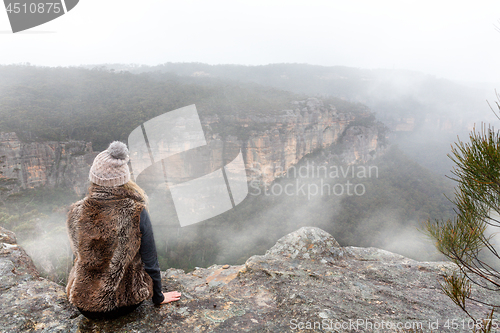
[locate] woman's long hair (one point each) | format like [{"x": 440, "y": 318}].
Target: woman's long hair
[
  {"x": 130, "y": 186},
  {"x": 133, "y": 187}
]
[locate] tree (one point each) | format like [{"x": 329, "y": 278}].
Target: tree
[{"x": 467, "y": 239}]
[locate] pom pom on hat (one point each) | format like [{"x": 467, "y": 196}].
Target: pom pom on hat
[
  {"x": 110, "y": 167},
  {"x": 118, "y": 150}
]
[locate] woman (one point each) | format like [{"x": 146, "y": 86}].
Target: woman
[{"x": 116, "y": 266}]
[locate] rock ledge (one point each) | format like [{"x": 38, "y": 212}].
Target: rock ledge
[{"x": 306, "y": 282}]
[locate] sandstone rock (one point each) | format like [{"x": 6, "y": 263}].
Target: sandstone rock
[
  {"x": 307, "y": 243},
  {"x": 29, "y": 165},
  {"x": 279, "y": 142},
  {"x": 284, "y": 139},
  {"x": 360, "y": 144},
  {"x": 7, "y": 237},
  {"x": 332, "y": 289},
  {"x": 28, "y": 302}
]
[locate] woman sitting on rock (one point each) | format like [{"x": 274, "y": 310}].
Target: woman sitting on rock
[{"x": 116, "y": 266}]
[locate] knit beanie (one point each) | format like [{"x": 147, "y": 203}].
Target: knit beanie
[{"x": 110, "y": 167}]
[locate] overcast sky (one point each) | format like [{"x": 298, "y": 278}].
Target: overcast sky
[{"x": 450, "y": 39}]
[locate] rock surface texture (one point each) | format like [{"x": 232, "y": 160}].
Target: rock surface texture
[
  {"x": 29, "y": 165},
  {"x": 305, "y": 283}
]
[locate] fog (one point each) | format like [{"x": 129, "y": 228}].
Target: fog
[
  {"x": 50, "y": 249},
  {"x": 448, "y": 39},
  {"x": 266, "y": 215},
  {"x": 426, "y": 69}
]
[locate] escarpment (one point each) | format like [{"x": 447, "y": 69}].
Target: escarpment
[
  {"x": 51, "y": 163},
  {"x": 306, "y": 282},
  {"x": 270, "y": 145}
]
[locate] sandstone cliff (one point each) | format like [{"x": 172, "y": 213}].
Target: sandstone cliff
[
  {"x": 29, "y": 165},
  {"x": 305, "y": 283},
  {"x": 270, "y": 145}
]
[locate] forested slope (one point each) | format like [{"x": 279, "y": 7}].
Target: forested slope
[{"x": 98, "y": 105}]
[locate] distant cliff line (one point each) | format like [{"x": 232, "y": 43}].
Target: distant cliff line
[
  {"x": 281, "y": 141},
  {"x": 271, "y": 145}
]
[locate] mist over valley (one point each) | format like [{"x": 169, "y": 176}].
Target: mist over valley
[{"x": 358, "y": 153}]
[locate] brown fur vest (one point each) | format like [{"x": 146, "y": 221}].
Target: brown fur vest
[{"x": 105, "y": 238}]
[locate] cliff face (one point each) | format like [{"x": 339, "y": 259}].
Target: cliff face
[
  {"x": 306, "y": 282},
  {"x": 360, "y": 145},
  {"x": 281, "y": 141},
  {"x": 299, "y": 132},
  {"x": 270, "y": 145},
  {"x": 29, "y": 165}
]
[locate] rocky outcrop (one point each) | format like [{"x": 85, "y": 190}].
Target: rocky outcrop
[
  {"x": 360, "y": 145},
  {"x": 298, "y": 132},
  {"x": 305, "y": 283},
  {"x": 29, "y": 165}
]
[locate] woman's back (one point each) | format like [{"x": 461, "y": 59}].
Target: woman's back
[
  {"x": 116, "y": 266},
  {"x": 108, "y": 271}
]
